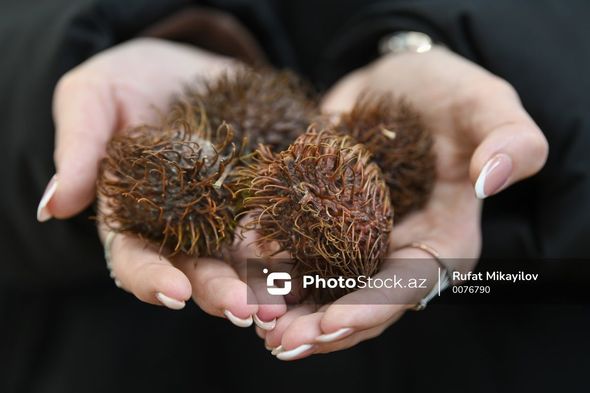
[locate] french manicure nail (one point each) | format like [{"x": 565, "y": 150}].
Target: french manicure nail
[
  {"x": 334, "y": 336},
  {"x": 170, "y": 302},
  {"x": 493, "y": 176},
  {"x": 270, "y": 325},
  {"x": 294, "y": 353},
  {"x": 238, "y": 321},
  {"x": 277, "y": 350},
  {"x": 43, "y": 213}
]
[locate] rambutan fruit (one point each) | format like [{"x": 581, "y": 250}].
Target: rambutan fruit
[
  {"x": 324, "y": 201},
  {"x": 400, "y": 144},
  {"x": 172, "y": 185}
]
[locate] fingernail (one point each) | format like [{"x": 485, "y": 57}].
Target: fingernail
[
  {"x": 277, "y": 350},
  {"x": 238, "y": 321},
  {"x": 334, "y": 336},
  {"x": 43, "y": 213},
  {"x": 268, "y": 348},
  {"x": 270, "y": 325},
  {"x": 170, "y": 302},
  {"x": 294, "y": 353},
  {"x": 493, "y": 176}
]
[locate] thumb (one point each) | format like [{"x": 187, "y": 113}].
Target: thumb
[
  {"x": 85, "y": 117},
  {"x": 510, "y": 147}
]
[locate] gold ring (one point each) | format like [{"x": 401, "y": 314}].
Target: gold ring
[{"x": 446, "y": 278}]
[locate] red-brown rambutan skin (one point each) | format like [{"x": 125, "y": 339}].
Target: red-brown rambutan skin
[
  {"x": 262, "y": 107},
  {"x": 324, "y": 201},
  {"x": 172, "y": 184},
  {"x": 400, "y": 144}
]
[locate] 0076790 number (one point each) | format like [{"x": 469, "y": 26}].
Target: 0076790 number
[{"x": 471, "y": 289}]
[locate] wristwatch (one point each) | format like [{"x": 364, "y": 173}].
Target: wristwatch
[{"x": 405, "y": 41}]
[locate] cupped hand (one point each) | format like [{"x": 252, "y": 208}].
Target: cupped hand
[
  {"x": 124, "y": 86},
  {"x": 484, "y": 142}
]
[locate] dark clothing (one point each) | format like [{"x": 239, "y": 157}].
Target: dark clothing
[{"x": 65, "y": 328}]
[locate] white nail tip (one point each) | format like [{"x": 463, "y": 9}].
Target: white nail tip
[
  {"x": 277, "y": 350},
  {"x": 481, "y": 180},
  {"x": 238, "y": 321},
  {"x": 479, "y": 185},
  {"x": 170, "y": 302},
  {"x": 270, "y": 325},
  {"x": 42, "y": 213},
  {"x": 292, "y": 354},
  {"x": 329, "y": 337}
]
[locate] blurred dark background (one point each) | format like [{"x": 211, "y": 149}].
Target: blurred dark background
[{"x": 64, "y": 327}]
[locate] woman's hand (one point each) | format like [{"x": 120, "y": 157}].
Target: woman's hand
[
  {"x": 484, "y": 141},
  {"x": 123, "y": 86}
]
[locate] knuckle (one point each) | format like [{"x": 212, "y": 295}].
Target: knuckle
[
  {"x": 501, "y": 87},
  {"x": 538, "y": 148},
  {"x": 205, "y": 288},
  {"x": 78, "y": 79},
  {"x": 83, "y": 77},
  {"x": 475, "y": 94},
  {"x": 68, "y": 81}
]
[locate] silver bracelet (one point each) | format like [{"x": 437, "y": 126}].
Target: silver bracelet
[{"x": 405, "y": 41}]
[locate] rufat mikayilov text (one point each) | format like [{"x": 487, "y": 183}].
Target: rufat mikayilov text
[{"x": 495, "y": 276}]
